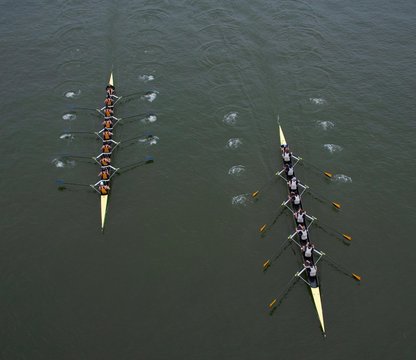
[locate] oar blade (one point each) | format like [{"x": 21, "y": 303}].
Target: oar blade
[
  {"x": 328, "y": 174},
  {"x": 263, "y": 228},
  {"x": 347, "y": 237},
  {"x": 356, "y": 277},
  {"x": 266, "y": 265},
  {"x": 254, "y": 194},
  {"x": 337, "y": 205},
  {"x": 272, "y": 303}
]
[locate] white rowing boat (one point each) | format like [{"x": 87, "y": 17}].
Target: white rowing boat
[{"x": 312, "y": 282}]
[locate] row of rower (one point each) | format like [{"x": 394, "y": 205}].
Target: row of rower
[
  {"x": 300, "y": 216},
  {"x": 108, "y": 144}
]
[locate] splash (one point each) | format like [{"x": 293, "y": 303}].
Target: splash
[
  {"x": 234, "y": 143},
  {"x": 69, "y": 117},
  {"x": 146, "y": 78},
  {"x": 67, "y": 136},
  {"x": 149, "y": 140},
  {"x": 151, "y": 118},
  {"x": 240, "y": 200},
  {"x": 72, "y": 94},
  {"x": 317, "y": 101},
  {"x": 333, "y": 148},
  {"x": 230, "y": 118},
  {"x": 326, "y": 124},
  {"x": 150, "y": 96},
  {"x": 59, "y": 163},
  {"x": 342, "y": 178},
  {"x": 236, "y": 170}
]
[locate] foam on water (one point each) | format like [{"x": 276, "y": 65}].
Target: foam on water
[
  {"x": 236, "y": 170},
  {"x": 342, "y": 178},
  {"x": 333, "y": 148},
  {"x": 59, "y": 163},
  {"x": 67, "y": 136},
  {"x": 234, "y": 143},
  {"x": 151, "y": 118},
  {"x": 230, "y": 118},
  {"x": 146, "y": 78},
  {"x": 69, "y": 116},
  {"x": 72, "y": 94},
  {"x": 317, "y": 101},
  {"x": 326, "y": 124},
  {"x": 150, "y": 96},
  {"x": 240, "y": 200},
  {"x": 149, "y": 140}
]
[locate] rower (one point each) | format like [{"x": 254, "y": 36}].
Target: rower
[
  {"x": 286, "y": 155},
  {"x": 104, "y": 174},
  {"x": 103, "y": 188},
  {"x": 288, "y": 168},
  {"x": 300, "y": 216},
  {"x": 295, "y": 199},
  {"x": 303, "y": 233},
  {"x": 108, "y": 113},
  {"x": 107, "y": 135},
  {"x": 105, "y": 161},
  {"x": 307, "y": 251},
  {"x": 106, "y": 148},
  {"x": 293, "y": 184},
  {"x": 108, "y": 102},
  {"x": 108, "y": 124}
]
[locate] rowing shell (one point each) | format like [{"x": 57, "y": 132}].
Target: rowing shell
[
  {"x": 104, "y": 198},
  {"x": 313, "y": 282}
]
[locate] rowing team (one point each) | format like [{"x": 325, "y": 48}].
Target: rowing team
[
  {"x": 107, "y": 136},
  {"x": 307, "y": 248}
]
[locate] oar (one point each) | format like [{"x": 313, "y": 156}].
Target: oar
[
  {"x": 270, "y": 261},
  {"x": 61, "y": 183},
  {"x": 342, "y": 268},
  {"x": 80, "y": 108},
  {"x": 147, "y": 160},
  {"x": 323, "y": 198},
  {"x": 265, "y": 227},
  {"x": 345, "y": 236},
  {"x": 146, "y": 134},
  {"x": 277, "y": 300},
  {"x": 78, "y": 156},
  {"x": 326, "y": 173},
  {"x": 132, "y": 116},
  {"x": 263, "y": 187}
]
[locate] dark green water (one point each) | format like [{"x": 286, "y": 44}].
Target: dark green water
[{"x": 177, "y": 273}]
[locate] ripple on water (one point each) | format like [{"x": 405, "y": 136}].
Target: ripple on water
[
  {"x": 342, "y": 178},
  {"x": 149, "y": 140},
  {"x": 333, "y": 148},
  {"x": 240, "y": 200},
  {"x": 234, "y": 143},
  {"x": 230, "y": 118},
  {"x": 150, "y": 118},
  {"x": 236, "y": 170},
  {"x": 146, "y": 78},
  {"x": 63, "y": 163},
  {"x": 326, "y": 124},
  {"x": 150, "y": 96},
  {"x": 317, "y": 101},
  {"x": 73, "y": 94},
  {"x": 71, "y": 116}
]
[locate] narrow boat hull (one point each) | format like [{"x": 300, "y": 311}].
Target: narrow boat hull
[
  {"x": 313, "y": 282},
  {"x": 104, "y": 199}
]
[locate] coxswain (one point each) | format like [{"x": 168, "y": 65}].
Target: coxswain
[
  {"x": 290, "y": 172},
  {"x": 300, "y": 216},
  {"x": 106, "y": 148},
  {"x": 103, "y": 189},
  {"x": 307, "y": 251},
  {"x": 108, "y": 124},
  {"x": 293, "y": 184},
  {"x": 295, "y": 199},
  {"x": 287, "y": 155},
  {"x": 110, "y": 89},
  {"x": 302, "y": 232},
  {"x": 105, "y": 161},
  {"x": 104, "y": 174}
]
